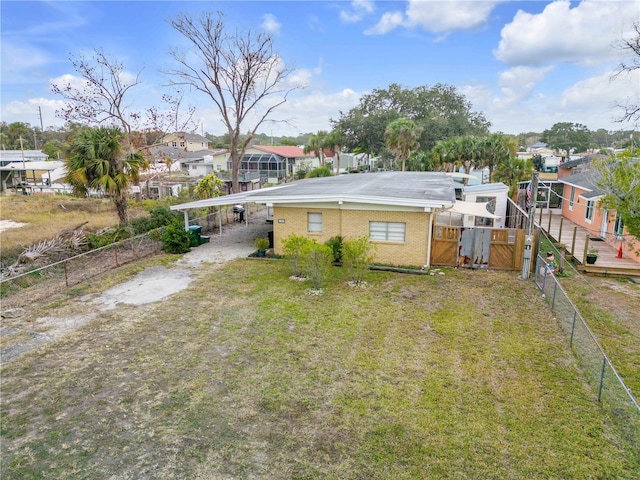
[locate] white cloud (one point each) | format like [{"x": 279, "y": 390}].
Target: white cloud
[
  {"x": 603, "y": 91},
  {"x": 28, "y": 112},
  {"x": 22, "y": 63},
  {"x": 582, "y": 35},
  {"x": 518, "y": 83},
  {"x": 359, "y": 9},
  {"x": 270, "y": 23},
  {"x": 437, "y": 16},
  {"x": 388, "y": 22}
]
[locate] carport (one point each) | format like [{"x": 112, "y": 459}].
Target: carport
[{"x": 242, "y": 198}]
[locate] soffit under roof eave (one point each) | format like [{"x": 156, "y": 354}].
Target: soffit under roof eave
[{"x": 275, "y": 200}]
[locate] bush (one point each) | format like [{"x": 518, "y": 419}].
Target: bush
[
  {"x": 316, "y": 261},
  {"x": 300, "y": 174},
  {"x": 175, "y": 239},
  {"x": 319, "y": 172},
  {"x": 357, "y": 256},
  {"x": 98, "y": 240},
  {"x": 293, "y": 247},
  {"x": 335, "y": 244},
  {"x": 159, "y": 216}
]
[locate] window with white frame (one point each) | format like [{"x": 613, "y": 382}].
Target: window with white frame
[
  {"x": 588, "y": 213},
  {"x": 314, "y": 222},
  {"x": 572, "y": 196},
  {"x": 387, "y": 231},
  {"x": 174, "y": 144},
  {"x": 182, "y": 144}
]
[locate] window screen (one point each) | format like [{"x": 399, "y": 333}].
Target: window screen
[
  {"x": 389, "y": 231},
  {"x": 314, "y": 222}
]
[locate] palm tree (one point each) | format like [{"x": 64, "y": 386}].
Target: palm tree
[
  {"x": 495, "y": 150},
  {"x": 513, "y": 170},
  {"x": 316, "y": 145},
  {"x": 333, "y": 142},
  {"x": 401, "y": 137},
  {"x": 96, "y": 161}
]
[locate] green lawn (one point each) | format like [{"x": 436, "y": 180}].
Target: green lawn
[{"x": 244, "y": 375}]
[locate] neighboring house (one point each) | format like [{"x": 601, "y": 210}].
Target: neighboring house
[
  {"x": 495, "y": 196},
  {"x": 582, "y": 207},
  {"x": 396, "y": 210},
  {"x": 274, "y": 163},
  {"x": 34, "y": 176},
  {"x": 11, "y": 156},
  {"x": 189, "y": 142},
  {"x": 478, "y": 206}
]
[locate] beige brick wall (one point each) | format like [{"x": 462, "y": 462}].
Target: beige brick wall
[{"x": 355, "y": 223}]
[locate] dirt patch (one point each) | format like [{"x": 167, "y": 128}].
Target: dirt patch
[
  {"x": 7, "y": 224},
  {"x": 22, "y": 333}
]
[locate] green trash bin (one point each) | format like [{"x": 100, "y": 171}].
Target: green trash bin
[{"x": 194, "y": 232}]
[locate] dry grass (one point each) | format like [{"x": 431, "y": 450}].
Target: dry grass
[
  {"x": 45, "y": 218},
  {"x": 242, "y": 375}
]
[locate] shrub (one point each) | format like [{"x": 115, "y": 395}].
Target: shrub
[
  {"x": 293, "y": 246},
  {"x": 261, "y": 244},
  {"x": 357, "y": 257},
  {"x": 300, "y": 174},
  {"x": 107, "y": 237},
  {"x": 335, "y": 244},
  {"x": 316, "y": 261},
  {"x": 175, "y": 239},
  {"x": 319, "y": 172},
  {"x": 159, "y": 216}
]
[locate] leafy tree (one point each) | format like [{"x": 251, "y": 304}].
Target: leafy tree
[
  {"x": 239, "y": 72},
  {"x": 401, "y": 137},
  {"x": 620, "y": 180},
  {"x": 566, "y": 136},
  {"x": 96, "y": 161},
  {"x": 440, "y": 111},
  {"x": 209, "y": 187}
]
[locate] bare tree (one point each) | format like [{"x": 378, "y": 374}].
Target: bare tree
[
  {"x": 238, "y": 71},
  {"x": 105, "y": 97},
  {"x": 631, "y": 46}
]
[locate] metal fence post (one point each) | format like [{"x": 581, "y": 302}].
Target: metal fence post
[
  {"x": 573, "y": 328},
  {"x": 66, "y": 279},
  {"x": 604, "y": 364},
  {"x": 555, "y": 288}
]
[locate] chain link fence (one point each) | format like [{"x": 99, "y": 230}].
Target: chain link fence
[
  {"x": 37, "y": 284},
  {"x": 612, "y": 393}
]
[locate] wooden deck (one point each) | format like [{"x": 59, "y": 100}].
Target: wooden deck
[{"x": 578, "y": 239}]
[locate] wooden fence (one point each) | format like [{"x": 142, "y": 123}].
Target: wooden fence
[{"x": 477, "y": 247}]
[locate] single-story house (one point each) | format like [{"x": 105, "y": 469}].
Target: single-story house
[
  {"x": 32, "y": 176},
  {"x": 582, "y": 206},
  {"x": 396, "y": 210}
]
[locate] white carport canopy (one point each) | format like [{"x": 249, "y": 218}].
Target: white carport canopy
[
  {"x": 241, "y": 198},
  {"x": 472, "y": 208}
]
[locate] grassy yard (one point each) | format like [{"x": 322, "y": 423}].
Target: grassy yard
[
  {"x": 48, "y": 215},
  {"x": 244, "y": 375}
]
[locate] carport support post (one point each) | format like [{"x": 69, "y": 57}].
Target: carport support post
[
  {"x": 220, "y": 219},
  {"x": 186, "y": 219}
]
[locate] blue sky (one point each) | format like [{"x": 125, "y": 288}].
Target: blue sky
[{"x": 525, "y": 65}]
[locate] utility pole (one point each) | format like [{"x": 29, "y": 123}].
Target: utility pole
[{"x": 528, "y": 242}]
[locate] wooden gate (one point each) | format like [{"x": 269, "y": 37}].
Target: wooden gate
[{"x": 496, "y": 248}]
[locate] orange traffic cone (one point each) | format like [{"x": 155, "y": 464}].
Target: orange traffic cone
[{"x": 620, "y": 252}]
